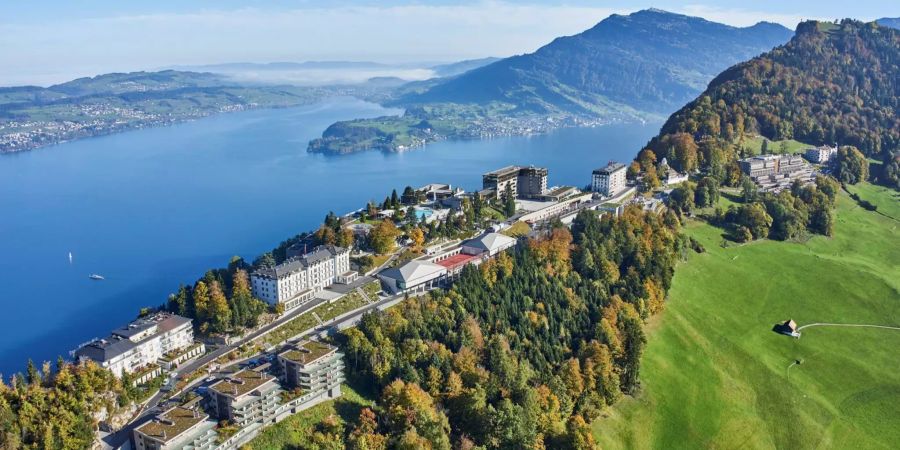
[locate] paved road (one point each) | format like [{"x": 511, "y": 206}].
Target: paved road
[{"x": 119, "y": 438}]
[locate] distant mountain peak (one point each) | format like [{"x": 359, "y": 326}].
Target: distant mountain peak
[{"x": 649, "y": 61}]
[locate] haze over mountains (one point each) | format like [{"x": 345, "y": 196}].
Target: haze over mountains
[{"x": 651, "y": 60}]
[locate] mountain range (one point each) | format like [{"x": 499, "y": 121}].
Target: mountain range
[{"x": 652, "y": 61}]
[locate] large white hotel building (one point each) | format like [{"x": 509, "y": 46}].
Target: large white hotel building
[{"x": 295, "y": 281}]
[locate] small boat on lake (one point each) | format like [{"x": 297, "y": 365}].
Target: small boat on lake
[{"x": 94, "y": 276}]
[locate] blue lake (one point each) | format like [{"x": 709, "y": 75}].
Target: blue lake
[{"x": 153, "y": 208}]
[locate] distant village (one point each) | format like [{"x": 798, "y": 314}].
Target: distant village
[{"x": 229, "y": 407}]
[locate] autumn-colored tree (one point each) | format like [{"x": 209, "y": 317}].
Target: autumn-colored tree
[
  {"x": 383, "y": 238},
  {"x": 417, "y": 237},
  {"x": 219, "y": 312},
  {"x": 365, "y": 436},
  {"x": 200, "y": 298},
  {"x": 406, "y": 408}
]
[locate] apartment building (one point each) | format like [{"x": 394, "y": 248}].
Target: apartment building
[
  {"x": 314, "y": 367},
  {"x": 609, "y": 180},
  {"x": 141, "y": 344},
  {"x": 295, "y": 281},
  {"x": 181, "y": 427},
  {"x": 245, "y": 397}
]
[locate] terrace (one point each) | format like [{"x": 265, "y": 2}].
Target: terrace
[
  {"x": 308, "y": 352},
  {"x": 240, "y": 383},
  {"x": 172, "y": 423}
]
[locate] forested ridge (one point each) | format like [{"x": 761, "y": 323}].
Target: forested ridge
[
  {"x": 832, "y": 83},
  {"x": 523, "y": 351},
  {"x": 57, "y": 408}
]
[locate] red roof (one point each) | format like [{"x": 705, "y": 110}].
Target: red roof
[{"x": 456, "y": 260}]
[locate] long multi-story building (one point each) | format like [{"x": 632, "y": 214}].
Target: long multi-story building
[
  {"x": 142, "y": 343},
  {"x": 245, "y": 397},
  {"x": 520, "y": 181},
  {"x": 761, "y": 166},
  {"x": 776, "y": 172},
  {"x": 609, "y": 180},
  {"x": 314, "y": 367},
  {"x": 295, "y": 281}
]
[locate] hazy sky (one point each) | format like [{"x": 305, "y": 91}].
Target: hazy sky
[{"x": 47, "y": 41}]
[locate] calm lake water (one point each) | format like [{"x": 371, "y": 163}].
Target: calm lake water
[{"x": 153, "y": 208}]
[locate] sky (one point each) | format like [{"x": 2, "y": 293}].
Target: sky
[{"x": 50, "y": 41}]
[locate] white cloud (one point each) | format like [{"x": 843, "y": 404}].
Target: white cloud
[
  {"x": 743, "y": 17},
  {"x": 61, "y": 49}
]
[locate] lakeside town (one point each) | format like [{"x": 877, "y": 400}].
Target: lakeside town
[{"x": 219, "y": 392}]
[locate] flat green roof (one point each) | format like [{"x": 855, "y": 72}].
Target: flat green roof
[
  {"x": 240, "y": 383},
  {"x": 170, "y": 424},
  {"x": 308, "y": 352}
]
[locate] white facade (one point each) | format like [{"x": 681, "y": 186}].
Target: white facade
[
  {"x": 820, "y": 155},
  {"x": 609, "y": 180},
  {"x": 140, "y": 343},
  {"x": 295, "y": 281}
]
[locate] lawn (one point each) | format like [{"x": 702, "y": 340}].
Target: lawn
[
  {"x": 296, "y": 431},
  {"x": 792, "y": 146},
  {"x": 517, "y": 229},
  {"x": 886, "y": 199},
  {"x": 715, "y": 375}
]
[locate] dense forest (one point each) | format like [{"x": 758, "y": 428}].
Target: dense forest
[
  {"x": 523, "y": 351},
  {"x": 57, "y": 408},
  {"x": 832, "y": 83}
]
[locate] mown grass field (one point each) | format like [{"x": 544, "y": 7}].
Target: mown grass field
[
  {"x": 715, "y": 375},
  {"x": 791, "y": 146}
]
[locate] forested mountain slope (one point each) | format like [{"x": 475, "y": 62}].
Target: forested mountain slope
[{"x": 832, "y": 83}]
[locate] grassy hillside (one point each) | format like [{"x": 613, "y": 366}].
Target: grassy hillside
[
  {"x": 299, "y": 430},
  {"x": 715, "y": 375}
]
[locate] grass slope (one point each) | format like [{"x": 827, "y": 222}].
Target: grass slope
[
  {"x": 296, "y": 431},
  {"x": 716, "y": 376},
  {"x": 791, "y": 146}
]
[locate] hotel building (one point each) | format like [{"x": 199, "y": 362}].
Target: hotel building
[
  {"x": 609, "y": 180},
  {"x": 142, "y": 343},
  {"x": 295, "y": 281}
]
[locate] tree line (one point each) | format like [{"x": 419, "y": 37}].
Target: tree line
[{"x": 525, "y": 350}]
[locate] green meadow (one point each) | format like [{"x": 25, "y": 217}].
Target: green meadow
[{"x": 714, "y": 373}]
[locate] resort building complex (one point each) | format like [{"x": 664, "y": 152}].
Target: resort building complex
[
  {"x": 422, "y": 274},
  {"x": 140, "y": 345},
  {"x": 776, "y": 172},
  {"x": 295, "y": 281}
]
